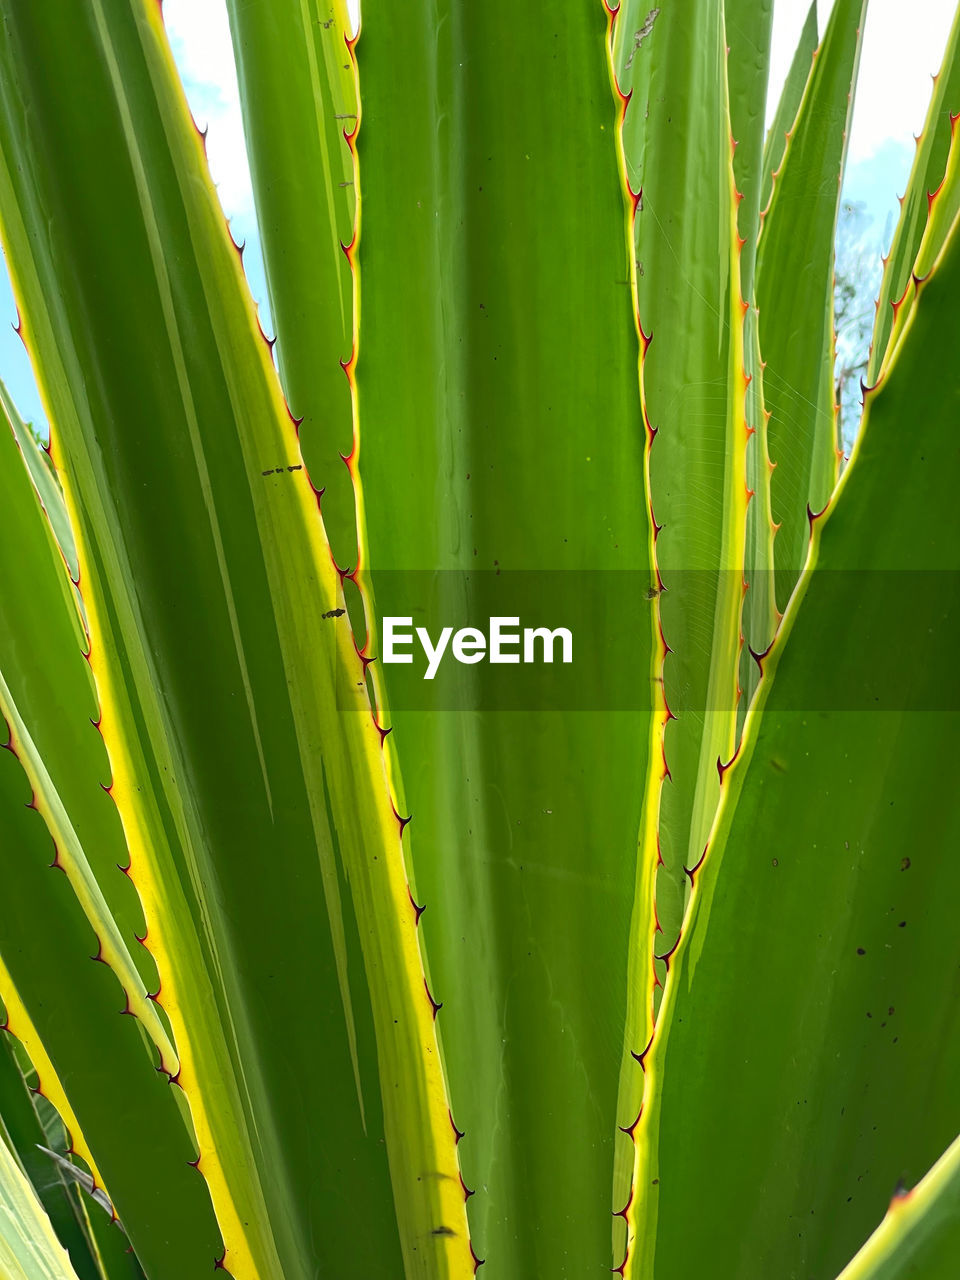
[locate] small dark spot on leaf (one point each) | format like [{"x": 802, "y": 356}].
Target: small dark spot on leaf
[
  {"x": 860, "y": 951},
  {"x": 443, "y": 1231},
  {"x": 905, "y": 864},
  {"x": 278, "y": 471},
  {"x": 333, "y": 613}
]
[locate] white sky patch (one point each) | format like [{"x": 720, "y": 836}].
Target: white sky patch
[
  {"x": 903, "y": 47},
  {"x": 200, "y": 38}
]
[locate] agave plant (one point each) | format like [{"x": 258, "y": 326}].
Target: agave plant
[{"x": 661, "y": 978}]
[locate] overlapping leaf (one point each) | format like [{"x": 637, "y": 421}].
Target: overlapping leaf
[
  {"x": 29, "y": 1250},
  {"x": 919, "y": 1237},
  {"x": 679, "y": 156},
  {"x": 24, "y": 1134},
  {"x": 299, "y": 99},
  {"x": 501, "y": 434},
  {"x": 749, "y": 29},
  {"x": 788, "y": 104},
  {"x": 246, "y": 764},
  {"x": 92, "y": 1062},
  {"x": 809, "y": 1039},
  {"x": 795, "y": 294},
  {"x": 929, "y": 166}
]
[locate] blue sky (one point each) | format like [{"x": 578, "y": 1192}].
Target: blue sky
[{"x": 902, "y": 48}]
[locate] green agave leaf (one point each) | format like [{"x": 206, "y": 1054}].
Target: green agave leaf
[
  {"x": 748, "y": 25},
  {"x": 44, "y": 481},
  {"x": 111, "y": 1247},
  {"x": 926, "y": 176},
  {"x": 92, "y": 1063},
  {"x": 795, "y": 294},
  {"x": 920, "y": 1234},
  {"x": 679, "y": 147},
  {"x": 40, "y": 653},
  {"x": 47, "y": 682},
  {"x": 497, "y": 386},
  {"x": 748, "y": 28},
  {"x": 234, "y": 710},
  {"x": 791, "y": 96},
  {"x": 109, "y": 1241},
  {"x": 86, "y": 1181},
  {"x": 29, "y": 1249},
  {"x": 24, "y": 1135},
  {"x": 299, "y": 99},
  {"x": 70, "y": 857},
  {"x": 942, "y": 207},
  {"x": 117, "y": 1259},
  {"x": 817, "y": 1096},
  {"x": 760, "y": 617}
]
